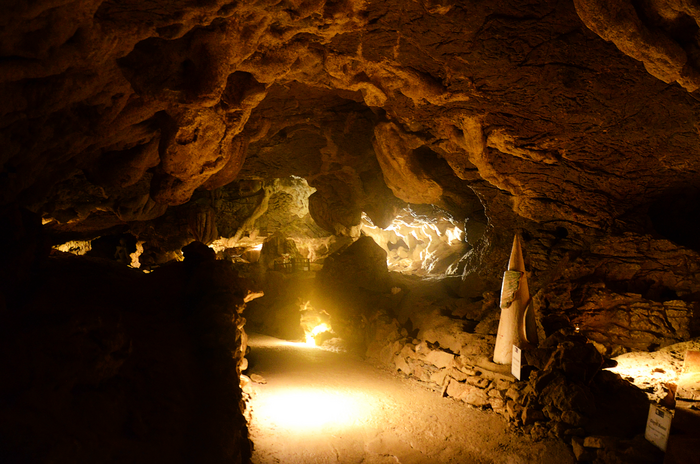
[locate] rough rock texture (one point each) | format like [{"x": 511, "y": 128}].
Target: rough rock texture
[
  {"x": 510, "y": 116},
  {"x": 563, "y": 392},
  {"x": 573, "y": 123},
  {"x": 353, "y": 283},
  {"x": 102, "y": 363},
  {"x": 525, "y": 104}
]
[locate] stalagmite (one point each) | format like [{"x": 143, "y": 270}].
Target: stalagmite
[{"x": 515, "y": 299}]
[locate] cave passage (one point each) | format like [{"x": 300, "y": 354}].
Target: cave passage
[{"x": 318, "y": 406}]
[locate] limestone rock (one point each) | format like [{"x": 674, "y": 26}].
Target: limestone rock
[
  {"x": 598, "y": 442},
  {"x": 449, "y": 334},
  {"x": 662, "y": 57},
  {"x": 531, "y": 415},
  {"x": 479, "y": 382},
  {"x": 572, "y": 418},
  {"x": 440, "y": 359},
  {"x": 580, "y": 452},
  {"x": 363, "y": 264},
  {"x": 257, "y": 378},
  {"x": 401, "y": 169},
  {"x": 468, "y": 394}
]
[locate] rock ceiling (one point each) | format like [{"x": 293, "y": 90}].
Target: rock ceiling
[
  {"x": 572, "y": 122},
  {"x": 575, "y": 118}
]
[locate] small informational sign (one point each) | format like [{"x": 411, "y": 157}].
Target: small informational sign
[
  {"x": 658, "y": 426},
  {"x": 515, "y": 365}
]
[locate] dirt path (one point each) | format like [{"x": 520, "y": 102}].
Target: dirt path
[{"x": 325, "y": 407}]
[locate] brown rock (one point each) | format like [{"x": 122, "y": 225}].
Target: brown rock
[
  {"x": 478, "y": 382},
  {"x": 388, "y": 352},
  {"x": 497, "y": 404},
  {"x": 401, "y": 364},
  {"x": 567, "y": 396},
  {"x": 439, "y": 377},
  {"x": 573, "y": 418},
  {"x": 467, "y": 393},
  {"x": 440, "y": 359},
  {"x": 402, "y": 170},
  {"x": 538, "y": 432},
  {"x": 513, "y": 411},
  {"x": 514, "y": 394},
  {"x": 458, "y": 375},
  {"x": 476, "y": 397},
  {"x": 496, "y": 393},
  {"x": 532, "y": 415},
  {"x": 580, "y": 452},
  {"x": 449, "y": 334},
  {"x": 599, "y": 442},
  {"x": 457, "y": 389}
]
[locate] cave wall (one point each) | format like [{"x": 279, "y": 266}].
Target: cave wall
[
  {"x": 535, "y": 117},
  {"x": 103, "y": 363},
  {"x": 573, "y": 123}
]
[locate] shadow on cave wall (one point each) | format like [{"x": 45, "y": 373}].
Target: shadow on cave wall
[
  {"x": 676, "y": 216},
  {"x": 103, "y": 363}
]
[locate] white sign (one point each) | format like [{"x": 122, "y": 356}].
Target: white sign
[
  {"x": 658, "y": 426},
  {"x": 515, "y": 365}
]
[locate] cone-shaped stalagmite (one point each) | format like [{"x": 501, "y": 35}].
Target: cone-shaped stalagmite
[{"x": 515, "y": 298}]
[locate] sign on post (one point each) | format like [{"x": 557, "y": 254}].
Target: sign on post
[
  {"x": 515, "y": 365},
  {"x": 658, "y": 426}
]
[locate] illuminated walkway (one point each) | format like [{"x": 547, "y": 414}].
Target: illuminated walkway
[{"x": 324, "y": 407}]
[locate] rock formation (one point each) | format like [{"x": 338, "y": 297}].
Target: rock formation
[{"x": 573, "y": 123}]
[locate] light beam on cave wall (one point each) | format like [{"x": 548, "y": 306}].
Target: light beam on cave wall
[{"x": 418, "y": 244}]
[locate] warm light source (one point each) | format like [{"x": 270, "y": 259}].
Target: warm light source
[
  {"x": 77, "y": 247},
  {"x": 319, "y": 329},
  {"x": 419, "y": 244},
  {"x": 313, "y": 322},
  {"x": 309, "y": 408},
  {"x": 652, "y": 372},
  {"x": 301, "y": 404}
]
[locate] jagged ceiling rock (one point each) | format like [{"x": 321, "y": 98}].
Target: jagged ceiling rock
[
  {"x": 659, "y": 33},
  {"x": 325, "y": 136},
  {"x": 519, "y": 116},
  {"x": 404, "y": 175}
]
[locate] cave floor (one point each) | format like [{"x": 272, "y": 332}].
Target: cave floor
[{"x": 320, "y": 406}]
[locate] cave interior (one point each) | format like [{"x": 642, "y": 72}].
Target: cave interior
[{"x": 351, "y": 174}]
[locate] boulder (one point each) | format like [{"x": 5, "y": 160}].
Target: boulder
[{"x": 450, "y": 335}]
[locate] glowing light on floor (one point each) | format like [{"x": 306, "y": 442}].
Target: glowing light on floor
[
  {"x": 309, "y": 409},
  {"x": 319, "y": 329}
]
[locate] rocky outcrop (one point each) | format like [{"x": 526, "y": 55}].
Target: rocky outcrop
[
  {"x": 353, "y": 283},
  {"x": 572, "y": 123},
  {"x": 528, "y": 121},
  {"x": 563, "y": 392},
  {"x": 124, "y": 365},
  {"x": 654, "y": 35},
  {"x": 153, "y": 104}
]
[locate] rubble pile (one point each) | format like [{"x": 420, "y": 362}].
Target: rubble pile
[{"x": 564, "y": 392}]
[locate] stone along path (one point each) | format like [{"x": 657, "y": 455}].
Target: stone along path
[{"x": 319, "y": 406}]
